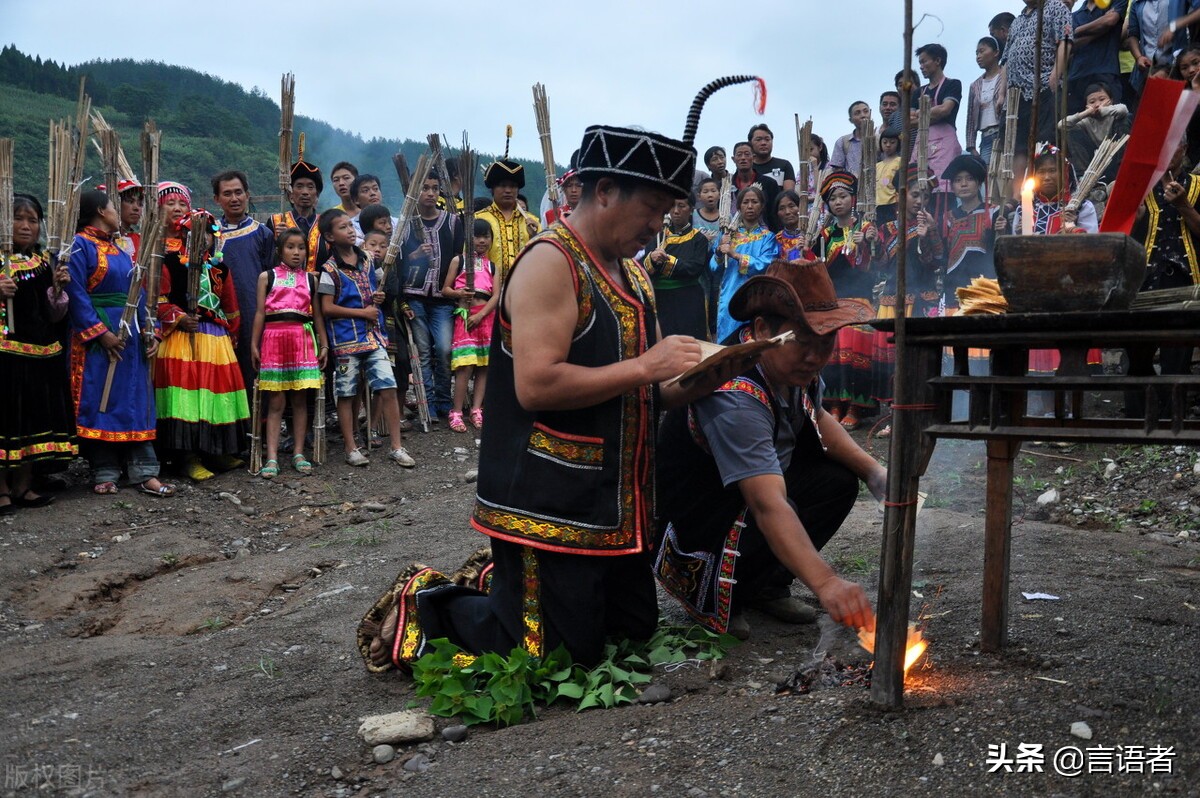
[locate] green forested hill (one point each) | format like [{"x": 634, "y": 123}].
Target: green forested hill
[{"x": 208, "y": 125}]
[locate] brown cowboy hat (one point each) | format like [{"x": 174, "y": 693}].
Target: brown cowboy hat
[{"x": 799, "y": 291}]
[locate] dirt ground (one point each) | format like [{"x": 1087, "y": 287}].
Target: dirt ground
[{"x": 195, "y": 647}]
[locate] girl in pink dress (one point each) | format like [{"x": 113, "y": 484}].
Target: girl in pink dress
[
  {"x": 289, "y": 345},
  {"x": 472, "y": 286}
]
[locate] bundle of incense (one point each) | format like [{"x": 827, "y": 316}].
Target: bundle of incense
[
  {"x": 1104, "y": 155},
  {"x": 399, "y": 231},
  {"x": 100, "y": 125},
  {"x": 541, "y": 111},
  {"x": 1010, "y": 144},
  {"x": 110, "y": 151},
  {"x": 923, "y": 143},
  {"x": 466, "y": 170},
  {"x": 287, "y": 107},
  {"x": 725, "y": 210},
  {"x": 6, "y": 227},
  {"x": 803, "y": 168},
  {"x": 442, "y": 173}
]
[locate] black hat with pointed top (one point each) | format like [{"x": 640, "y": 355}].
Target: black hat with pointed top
[{"x": 654, "y": 158}]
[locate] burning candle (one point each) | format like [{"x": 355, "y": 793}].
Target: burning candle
[{"x": 1027, "y": 208}]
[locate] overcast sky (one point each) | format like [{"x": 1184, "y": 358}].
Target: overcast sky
[{"x": 404, "y": 68}]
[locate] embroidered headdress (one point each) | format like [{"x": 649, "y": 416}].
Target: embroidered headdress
[{"x": 652, "y": 157}]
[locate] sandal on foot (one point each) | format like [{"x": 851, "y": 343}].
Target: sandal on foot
[
  {"x": 196, "y": 471},
  {"x": 163, "y": 490},
  {"x": 301, "y": 464},
  {"x": 270, "y": 469},
  {"x": 7, "y": 509},
  {"x": 456, "y": 421},
  {"x": 850, "y": 422},
  {"x": 477, "y": 418},
  {"x": 105, "y": 488}
]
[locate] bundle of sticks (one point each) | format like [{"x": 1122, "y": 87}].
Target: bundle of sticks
[
  {"x": 68, "y": 153},
  {"x": 816, "y": 217},
  {"x": 151, "y": 147},
  {"x": 803, "y": 169},
  {"x": 923, "y": 118},
  {"x": 443, "y": 174},
  {"x": 541, "y": 111},
  {"x": 110, "y": 155},
  {"x": 287, "y": 107},
  {"x": 1010, "y": 147},
  {"x": 6, "y": 227},
  {"x": 467, "y": 164},
  {"x": 1103, "y": 156},
  {"x": 402, "y": 171},
  {"x": 399, "y": 232},
  {"x": 866, "y": 201},
  {"x": 124, "y": 169},
  {"x": 726, "y": 220}
]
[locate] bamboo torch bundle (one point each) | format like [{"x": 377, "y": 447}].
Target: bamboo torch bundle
[
  {"x": 1010, "y": 144},
  {"x": 110, "y": 152},
  {"x": 816, "y": 216},
  {"x": 995, "y": 195},
  {"x": 152, "y": 258},
  {"x": 402, "y": 171},
  {"x": 803, "y": 168},
  {"x": 68, "y": 152},
  {"x": 6, "y": 226},
  {"x": 438, "y": 167},
  {"x": 866, "y": 178},
  {"x": 541, "y": 110},
  {"x": 467, "y": 164},
  {"x": 1105, "y": 153},
  {"x": 923, "y": 111},
  {"x": 100, "y": 125},
  {"x": 124, "y": 331},
  {"x": 406, "y": 212},
  {"x": 287, "y": 106}
]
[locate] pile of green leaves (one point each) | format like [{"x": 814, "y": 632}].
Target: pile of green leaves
[{"x": 505, "y": 690}]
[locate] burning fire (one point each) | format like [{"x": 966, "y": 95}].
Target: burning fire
[{"x": 914, "y": 648}]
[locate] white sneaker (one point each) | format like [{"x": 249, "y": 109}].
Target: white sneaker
[
  {"x": 402, "y": 458},
  {"x": 357, "y": 458}
]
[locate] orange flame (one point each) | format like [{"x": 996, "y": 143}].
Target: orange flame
[
  {"x": 1029, "y": 186},
  {"x": 915, "y": 647}
]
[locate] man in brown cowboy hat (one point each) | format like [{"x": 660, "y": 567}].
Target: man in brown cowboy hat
[{"x": 755, "y": 478}]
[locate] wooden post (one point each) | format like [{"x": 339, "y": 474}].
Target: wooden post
[
  {"x": 997, "y": 539},
  {"x": 899, "y": 518}
]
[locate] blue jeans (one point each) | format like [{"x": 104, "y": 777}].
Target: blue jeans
[
  {"x": 987, "y": 140},
  {"x": 105, "y": 459},
  {"x": 433, "y": 332}
]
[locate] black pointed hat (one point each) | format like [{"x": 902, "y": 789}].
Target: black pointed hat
[
  {"x": 302, "y": 168},
  {"x": 504, "y": 168},
  {"x": 652, "y": 157}
]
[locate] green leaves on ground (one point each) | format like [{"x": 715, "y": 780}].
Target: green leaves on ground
[{"x": 505, "y": 690}]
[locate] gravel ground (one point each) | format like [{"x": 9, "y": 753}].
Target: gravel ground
[{"x": 211, "y": 652}]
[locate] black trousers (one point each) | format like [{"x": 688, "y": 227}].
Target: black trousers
[
  {"x": 576, "y": 601},
  {"x": 821, "y": 491}
]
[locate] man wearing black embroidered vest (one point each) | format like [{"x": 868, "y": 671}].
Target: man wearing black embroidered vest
[
  {"x": 577, "y": 372},
  {"x": 756, "y": 477}
]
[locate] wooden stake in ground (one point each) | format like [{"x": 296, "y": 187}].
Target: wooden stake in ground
[
  {"x": 256, "y": 429},
  {"x": 287, "y": 106},
  {"x": 6, "y": 227},
  {"x": 541, "y": 111},
  {"x": 467, "y": 165},
  {"x": 318, "y": 447},
  {"x": 900, "y": 507}
]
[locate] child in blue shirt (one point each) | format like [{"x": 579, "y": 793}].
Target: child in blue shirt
[{"x": 350, "y": 298}]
